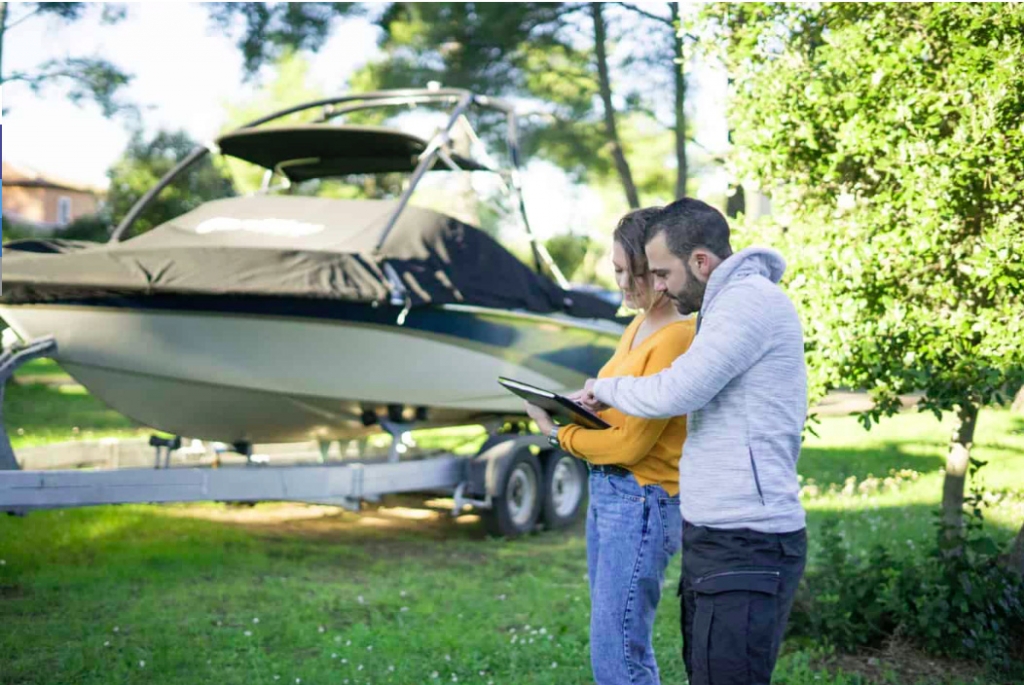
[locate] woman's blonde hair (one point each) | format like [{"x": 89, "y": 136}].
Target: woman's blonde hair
[{"x": 631, "y": 234}]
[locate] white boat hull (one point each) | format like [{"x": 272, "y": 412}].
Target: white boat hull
[{"x": 233, "y": 376}]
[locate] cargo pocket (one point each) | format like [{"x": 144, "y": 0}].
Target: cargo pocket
[{"x": 733, "y": 626}]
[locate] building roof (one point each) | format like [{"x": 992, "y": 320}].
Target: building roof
[{"x": 25, "y": 177}]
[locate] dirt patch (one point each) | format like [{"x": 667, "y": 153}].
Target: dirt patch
[
  {"x": 904, "y": 664},
  {"x": 393, "y": 531}
]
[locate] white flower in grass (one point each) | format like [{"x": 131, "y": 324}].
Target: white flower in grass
[
  {"x": 142, "y": 664},
  {"x": 248, "y": 633},
  {"x": 344, "y": 661},
  {"x": 277, "y": 677},
  {"x": 298, "y": 680},
  {"x": 543, "y": 631},
  {"x": 360, "y": 667},
  {"x": 3, "y": 562},
  {"x": 321, "y": 629},
  {"x": 511, "y": 630},
  {"x": 369, "y": 648},
  {"x": 514, "y": 638},
  {"x": 337, "y": 638},
  {"x": 501, "y": 598},
  {"x": 256, "y": 620},
  {"x": 435, "y": 675},
  {"x": 391, "y": 668},
  {"x": 481, "y": 674},
  {"x": 106, "y": 643},
  {"x": 220, "y": 623},
  {"x": 402, "y": 593},
  {"x": 447, "y": 657},
  {"x": 455, "y": 678},
  {"x": 531, "y": 640},
  {"x": 526, "y": 627},
  {"x": 404, "y": 609},
  {"x": 554, "y": 664},
  {"x": 334, "y": 655},
  {"x": 116, "y": 629},
  {"x": 348, "y": 643},
  {"x": 360, "y": 599}
]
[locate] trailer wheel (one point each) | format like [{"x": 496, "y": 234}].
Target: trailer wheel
[
  {"x": 565, "y": 490},
  {"x": 517, "y": 508}
]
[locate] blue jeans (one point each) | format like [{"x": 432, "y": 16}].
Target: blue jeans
[{"x": 632, "y": 533}]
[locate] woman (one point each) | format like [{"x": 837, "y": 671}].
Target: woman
[{"x": 633, "y": 522}]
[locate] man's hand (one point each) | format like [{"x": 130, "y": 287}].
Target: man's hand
[
  {"x": 587, "y": 398},
  {"x": 541, "y": 417}
]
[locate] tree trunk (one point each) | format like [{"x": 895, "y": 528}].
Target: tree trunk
[
  {"x": 621, "y": 165},
  {"x": 736, "y": 204},
  {"x": 957, "y": 462},
  {"x": 1018, "y": 402},
  {"x": 1016, "y": 558},
  {"x": 679, "y": 72}
]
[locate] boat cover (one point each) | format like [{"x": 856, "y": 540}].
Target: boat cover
[{"x": 288, "y": 246}]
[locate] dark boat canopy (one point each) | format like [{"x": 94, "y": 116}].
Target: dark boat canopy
[
  {"x": 318, "y": 151},
  {"x": 300, "y": 247}
]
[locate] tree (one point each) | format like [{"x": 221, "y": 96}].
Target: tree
[
  {"x": 274, "y": 29},
  {"x": 145, "y": 162},
  {"x": 545, "y": 53},
  {"x": 891, "y": 138},
  {"x": 86, "y": 78}
]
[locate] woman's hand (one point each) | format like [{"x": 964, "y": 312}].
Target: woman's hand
[{"x": 541, "y": 417}]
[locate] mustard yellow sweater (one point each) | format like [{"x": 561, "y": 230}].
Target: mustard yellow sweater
[{"x": 649, "y": 448}]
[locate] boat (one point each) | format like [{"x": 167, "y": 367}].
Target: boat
[{"x": 284, "y": 317}]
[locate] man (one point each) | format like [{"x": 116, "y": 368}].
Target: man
[{"x": 743, "y": 386}]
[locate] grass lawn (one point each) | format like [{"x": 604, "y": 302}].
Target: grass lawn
[{"x": 283, "y": 593}]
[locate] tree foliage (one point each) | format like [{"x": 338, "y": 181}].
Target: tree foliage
[
  {"x": 270, "y": 30},
  {"x": 144, "y": 162},
  {"x": 891, "y": 137},
  {"x": 83, "y": 78}
]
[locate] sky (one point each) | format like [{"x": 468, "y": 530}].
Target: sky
[{"x": 186, "y": 72}]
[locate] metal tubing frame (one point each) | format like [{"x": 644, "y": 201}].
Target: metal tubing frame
[
  {"x": 383, "y": 98},
  {"x": 10, "y": 360},
  {"x": 335, "y": 485}
]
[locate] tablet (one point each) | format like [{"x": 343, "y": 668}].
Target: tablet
[{"x": 558, "y": 406}]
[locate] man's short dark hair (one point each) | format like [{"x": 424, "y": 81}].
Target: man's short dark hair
[{"x": 689, "y": 224}]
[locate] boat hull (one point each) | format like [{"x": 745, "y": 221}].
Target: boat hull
[{"x": 244, "y": 371}]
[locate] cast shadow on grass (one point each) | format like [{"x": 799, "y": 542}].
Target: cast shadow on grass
[{"x": 832, "y": 466}]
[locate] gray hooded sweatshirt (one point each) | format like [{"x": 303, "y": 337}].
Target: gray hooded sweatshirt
[{"x": 743, "y": 386}]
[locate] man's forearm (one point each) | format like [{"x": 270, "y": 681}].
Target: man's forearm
[{"x": 650, "y": 397}]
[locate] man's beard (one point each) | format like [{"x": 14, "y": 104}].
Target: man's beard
[{"x": 691, "y": 297}]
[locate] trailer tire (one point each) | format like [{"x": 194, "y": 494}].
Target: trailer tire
[
  {"x": 565, "y": 489},
  {"x": 517, "y": 506}
]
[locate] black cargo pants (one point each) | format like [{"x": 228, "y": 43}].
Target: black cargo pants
[{"x": 736, "y": 592}]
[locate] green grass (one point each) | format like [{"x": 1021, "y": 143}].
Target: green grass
[
  {"x": 42, "y": 412},
  {"x": 89, "y": 595}
]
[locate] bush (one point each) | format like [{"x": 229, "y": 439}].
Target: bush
[
  {"x": 966, "y": 606},
  {"x": 94, "y": 227}
]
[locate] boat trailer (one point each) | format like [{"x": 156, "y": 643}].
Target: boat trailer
[{"x": 516, "y": 481}]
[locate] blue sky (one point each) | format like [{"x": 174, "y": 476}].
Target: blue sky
[{"x": 185, "y": 73}]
